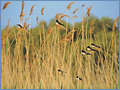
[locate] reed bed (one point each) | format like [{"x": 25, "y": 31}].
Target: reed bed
[{"x": 43, "y": 58}]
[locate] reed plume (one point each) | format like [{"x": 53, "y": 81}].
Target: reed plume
[
  {"x": 64, "y": 15},
  {"x": 59, "y": 16},
  {"x": 88, "y": 11},
  {"x": 31, "y": 10},
  {"x": 6, "y": 4},
  {"x": 42, "y": 11},
  {"x": 21, "y": 14},
  {"x": 69, "y": 5}
]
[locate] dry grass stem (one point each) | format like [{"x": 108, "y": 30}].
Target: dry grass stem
[{"x": 115, "y": 22}]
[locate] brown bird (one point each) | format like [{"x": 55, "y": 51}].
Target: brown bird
[
  {"x": 61, "y": 71},
  {"x": 78, "y": 78},
  {"x": 20, "y": 27},
  {"x": 85, "y": 53}
]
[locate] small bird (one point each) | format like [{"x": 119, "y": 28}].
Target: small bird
[
  {"x": 97, "y": 47},
  {"x": 70, "y": 33},
  {"x": 85, "y": 53},
  {"x": 60, "y": 71},
  {"x": 59, "y": 23},
  {"x": 97, "y": 54},
  {"x": 78, "y": 78},
  {"x": 20, "y": 26},
  {"x": 93, "y": 45},
  {"x": 91, "y": 49}
]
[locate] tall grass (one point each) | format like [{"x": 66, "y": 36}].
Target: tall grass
[{"x": 30, "y": 61}]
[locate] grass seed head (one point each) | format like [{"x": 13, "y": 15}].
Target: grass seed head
[
  {"x": 6, "y": 4},
  {"x": 42, "y": 11},
  {"x": 61, "y": 15},
  {"x": 69, "y": 5},
  {"x": 31, "y": 10},
  {"x": 21, "y": 14},
  {"x": 88, "y": 11}
]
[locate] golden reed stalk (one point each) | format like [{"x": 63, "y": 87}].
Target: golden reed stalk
[{"x": 113, "y": 28}]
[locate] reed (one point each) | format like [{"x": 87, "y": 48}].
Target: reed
[
  {"x": 69, "y": 5},
  {"x": 21, "y": 14},
  {"x": 6, "y": 5},
  {"x": 88, "y": 10},
  {"x": 42, "y": 11},
  {"x": 31, "y": 10},
  {"x": 113, "y": 29},
  {"x": 33, "y": 58},
  {"x": 59, "y": 16},
  {"x": 83, "y": 20}
]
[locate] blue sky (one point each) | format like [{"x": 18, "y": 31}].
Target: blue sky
[{"x": 12, "y": 12}]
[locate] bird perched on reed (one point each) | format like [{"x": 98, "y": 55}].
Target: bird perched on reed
[
  {"x": 85, "y": 53},
  {"x": 61, "y": 71},
  {"x": 70, "y": 32},
  {"x": 22, "y": 28},
  {"x": 59, "y": 23},
  {"x": 97, "y": 47},
  {"x": 78, "y": 78},
  {"x": 98, "y": 53}
]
